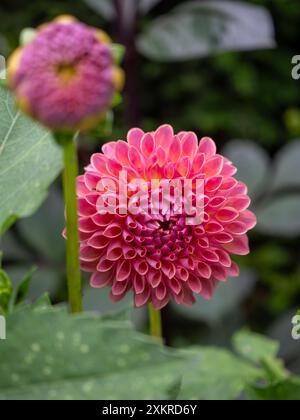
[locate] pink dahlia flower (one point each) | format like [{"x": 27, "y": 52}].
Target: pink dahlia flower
[
  {"x": 66, "y": 77},
  {"x": 158, "y": 255}
]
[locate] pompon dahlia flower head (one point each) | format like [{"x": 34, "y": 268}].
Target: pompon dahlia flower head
[
  {"x": 160, "y": 257},
  {"x": 66, "y": 77}
]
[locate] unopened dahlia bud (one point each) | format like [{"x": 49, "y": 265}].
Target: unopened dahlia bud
[
  {"x": 66, "y": 76},
  {"x": 149, "y": 244}
]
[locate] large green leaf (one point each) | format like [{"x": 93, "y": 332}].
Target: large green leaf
[
  {"x": 49, "y": 354},
  {"x": 287, "y": 169},
  {"x": 46, "y": 238},
  {"x": 252, "y": 162},
  {"x": 216, "y": 374},
  {"x": 29, "y": 162},
  {"x": 286, "y": 390},
  {"x": 197, "y": 29},
  {"x": 254, "y": 347},
  {"x": 280, "y": 216}
]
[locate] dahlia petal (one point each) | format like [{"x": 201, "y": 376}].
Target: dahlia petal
[
  {"x": 109, "y": 149},
  {"x": 169, "y": 171},
  {"x": 209, "y": 255},
  {"x": 161, "y": 156},
  {"x": 105, "y": 265},
  {"x": 248, "y": 218},
  {"x": 88, "y": 253},
  {"x": 141, "y": 267},
  {"x": 103, "y": 220},
  {"x": 139, "y": 284},
  {"x": 112, "y": 231},
  {"x": 194, "y": 284},
  {"x": 119, "y": 288},
  {"x": 88, "y": 267},
  {"x": 214, "y": 166},
  {"x": 240, "y": 203},
  {"x": 135, "y": 158},
  {"x": 228, "y": 169},
  {"x": 159, "y": 304},
  {"x": 186, "y": 297},
  {"x": 168, "y": 269},
  {"x": 189, "y": 145},
  {"x": 134, "y": 137},
  {"x": 216, "y": 202},
  {"x": 228, "y": 185},
  {"x": 174, "y": 285},
  {"x": 81, "y": 187},
  {"x": 122, "y": 151},
  {"x": 223, "y": 238},
  {"x": 207, "y": 289},
  {"x": 142, "y": 298},
  {"x": 99, "y": 280},
  {"x": 98, "y": 241},
  {"x": 164, "y": 136},
  {"x": 234, "y": 270},
  {"x": 239, "y": 189},
  {"x": 154, "y": 278},
  {"x": 182, "y": 274},
  {"x": 98, "y": 162},
  {"x": 114, "y": 251},
  {"x": 154, "y": 263},
  {"x": 227, "y": 214},
  {"x": 147, "y": 145},
  {"x": 123, "y": 270},
  {"x": 214, "y": 227},
  {"x": 85, "y": 209},
  {"x": 236, "y": 228},
  {"x": 219, "y": 273},
  {"x": 118, "y": 298},
  {"x": 129, "y": 252},
  {"x": 224, "y": 258},
  {"x": 239, "y": 246},
  {"x": 87, "y": 225},
  {"x": 175, "y": 150},
  {"x": 213, "y": 184},
  {"x": 198, "y": 163},
  {"x": 207, "y": 146},
  {"x": 113, "y": 167},
  {"x": 203, "y": 242},
  {"x": 204, "y": 270},
  {"x": 183, "y": 166}
]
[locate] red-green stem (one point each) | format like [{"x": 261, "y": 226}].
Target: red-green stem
[
  {"x": 73, "y": 265},
  {"x": 155, "y": 322}
]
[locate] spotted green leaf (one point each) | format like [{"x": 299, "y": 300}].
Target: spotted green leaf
[
  {"x": 51, "y": 355},
  {"x": 29, "y": 162}
]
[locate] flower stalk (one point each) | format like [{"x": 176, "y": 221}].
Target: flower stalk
[
  {"x": 155, "y": 322},
  {"x": 69, "y": 182}
]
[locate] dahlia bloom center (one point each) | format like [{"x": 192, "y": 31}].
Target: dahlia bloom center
[
  {"x": 160, "y": 255},
  {"x": 66, "y": 72}
]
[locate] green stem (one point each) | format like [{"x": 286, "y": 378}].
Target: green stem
[
  {"x": 155, "y": 322},
  {"x": 73, "y": 265}
]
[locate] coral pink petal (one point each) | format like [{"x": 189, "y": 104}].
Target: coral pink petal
[
  {"x": 134, "y": 137},
  {"x": 207, "y": 146}
]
